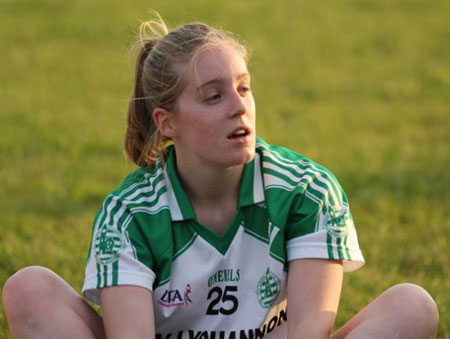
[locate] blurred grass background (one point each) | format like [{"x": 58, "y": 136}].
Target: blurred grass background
[{"x": 361, "y": 86}]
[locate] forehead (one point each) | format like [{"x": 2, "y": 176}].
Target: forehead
[{"x": 220, "y": 61}]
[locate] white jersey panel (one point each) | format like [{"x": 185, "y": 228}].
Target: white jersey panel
[{"x": 210, "y": 291}]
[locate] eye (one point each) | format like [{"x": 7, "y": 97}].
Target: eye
[
  {"x": 243, "y": 89},
  {"x": 213, "y": 98}
]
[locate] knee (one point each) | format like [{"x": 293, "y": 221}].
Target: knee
[
  {"x": 414, "y": 305},
  {"x": 25, "y": 291}
]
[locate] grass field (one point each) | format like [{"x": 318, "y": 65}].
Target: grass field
[{"x": 361, "y": 86}]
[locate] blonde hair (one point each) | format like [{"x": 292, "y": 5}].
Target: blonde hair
[{"x": 158, "y": 84}]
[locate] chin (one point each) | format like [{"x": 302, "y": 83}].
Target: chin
[
  {"x": 242, "y": 159},
  {"x": 250, "y": 156}
]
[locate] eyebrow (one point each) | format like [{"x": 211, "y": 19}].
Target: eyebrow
[{"x": 221, "y": 80}]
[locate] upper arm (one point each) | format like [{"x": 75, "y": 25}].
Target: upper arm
[
  {"x": 320, "y": 224},
  {"x": 314, "y": 287},
  {"x": 127, "y": 312},
  {"x": 321, "y": 243},
  {"x": 119, "y": 252}
]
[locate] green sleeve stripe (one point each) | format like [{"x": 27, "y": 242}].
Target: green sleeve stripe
[
  {"x": 320, "y": 203},
  {"x": 99, "y": 278},
  {"x": 347, "y": 252},
  {"x": 115, "y": 270},
  {"x": 298, "y": 162},
  {"x": 149, "y": 203},
  {"x": 112, "y": 199},
  {"x": 122, "y": 217},
  {"x": 131, "y": 244},
  {"x": 123, "y": 226},
  {"x": 301, "y": 168},
  {"x": 279, "y": 175},
  {"x": 316, "y": 187},
  {"x": 105, "y": 275},
  {"x": 313, "y": 198},
  {"x": 303, "y": 175},
  {"x": 329, "y": 247},
  {"x": 143, "y": 203},
  {"x": 150, "y": 211},
  {"x": 116, "y": 205},
  {"x": 136, "y": 179},
  {"x": 115, "y": 212},
  {"x": 145, "y": 188},
  {"x": 339, "y": 248},
  {"x": 101, "y": 216},
  {"x": 319, "y": 182},
  {"x": 289, "y": 170}
]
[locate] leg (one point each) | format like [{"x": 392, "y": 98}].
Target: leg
[
  {"x": 403, "y": 311},
  {"x": 40, "y": 304}
]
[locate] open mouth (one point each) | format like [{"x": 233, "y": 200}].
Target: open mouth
[{"x": 241, "y": 132}]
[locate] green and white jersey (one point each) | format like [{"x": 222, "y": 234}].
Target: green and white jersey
[{"x": 210, "y": 286}]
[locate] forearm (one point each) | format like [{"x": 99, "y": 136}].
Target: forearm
[
  {"x": 314, "y": 288},
  {"x": 317, "y": 326},
  {"x": 126, "y": 327},
  {"x": 127, "y": 312}
]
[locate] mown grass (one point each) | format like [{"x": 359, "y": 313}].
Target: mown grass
[{"x": 361, "y": 86}]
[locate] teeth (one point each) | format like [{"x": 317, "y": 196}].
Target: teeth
[{"x": 240, "y": 132}]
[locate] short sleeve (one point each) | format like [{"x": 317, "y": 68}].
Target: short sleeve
[
  {"x": 320, "y": 224},
  {"x": 118, "y": 254}
]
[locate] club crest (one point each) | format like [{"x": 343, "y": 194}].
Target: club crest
[
  {"x": 338, "y": 223},
  {"x": 268, "y": 289},
  {"x": 109, "y": 244}
]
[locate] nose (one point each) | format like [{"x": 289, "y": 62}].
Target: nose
[{"x": 238, "y": 104}]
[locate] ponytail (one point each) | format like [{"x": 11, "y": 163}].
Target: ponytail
[
  {"x": 143, "y": 142},
  {"x": 142, "y": 138}
]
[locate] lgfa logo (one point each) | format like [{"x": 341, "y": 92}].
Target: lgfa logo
[{"x": 173, "y": 298}]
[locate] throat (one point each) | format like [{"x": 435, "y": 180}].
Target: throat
[
  {"x": 216, "y": 219},
  {"x": 213, "y": 194}
]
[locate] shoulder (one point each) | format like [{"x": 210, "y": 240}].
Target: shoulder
[
  {"x": 290, "y": 171},
  {"x": 142, "y": 190},
  {"x": 141, "y": 177}
]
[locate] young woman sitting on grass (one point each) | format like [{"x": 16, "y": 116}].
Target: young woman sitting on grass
[{"x": 216, "y": 229}]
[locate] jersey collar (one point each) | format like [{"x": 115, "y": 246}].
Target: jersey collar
[{"x": 251, "y": 190}]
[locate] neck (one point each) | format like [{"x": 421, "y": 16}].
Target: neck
[{"x": 210, "y": 186}]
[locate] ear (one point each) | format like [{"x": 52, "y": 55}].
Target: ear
[{"x": 164, "y": 122}]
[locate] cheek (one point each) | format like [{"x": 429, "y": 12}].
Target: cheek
[
  {"x": 251, "y": 107},
  {"x": 205, "y": 123},
  {"x": 201, "y": 130},
  {"x": 210, "y": 133}
]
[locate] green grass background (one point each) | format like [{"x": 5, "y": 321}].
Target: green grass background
[{"x": 361, "y": 86}]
